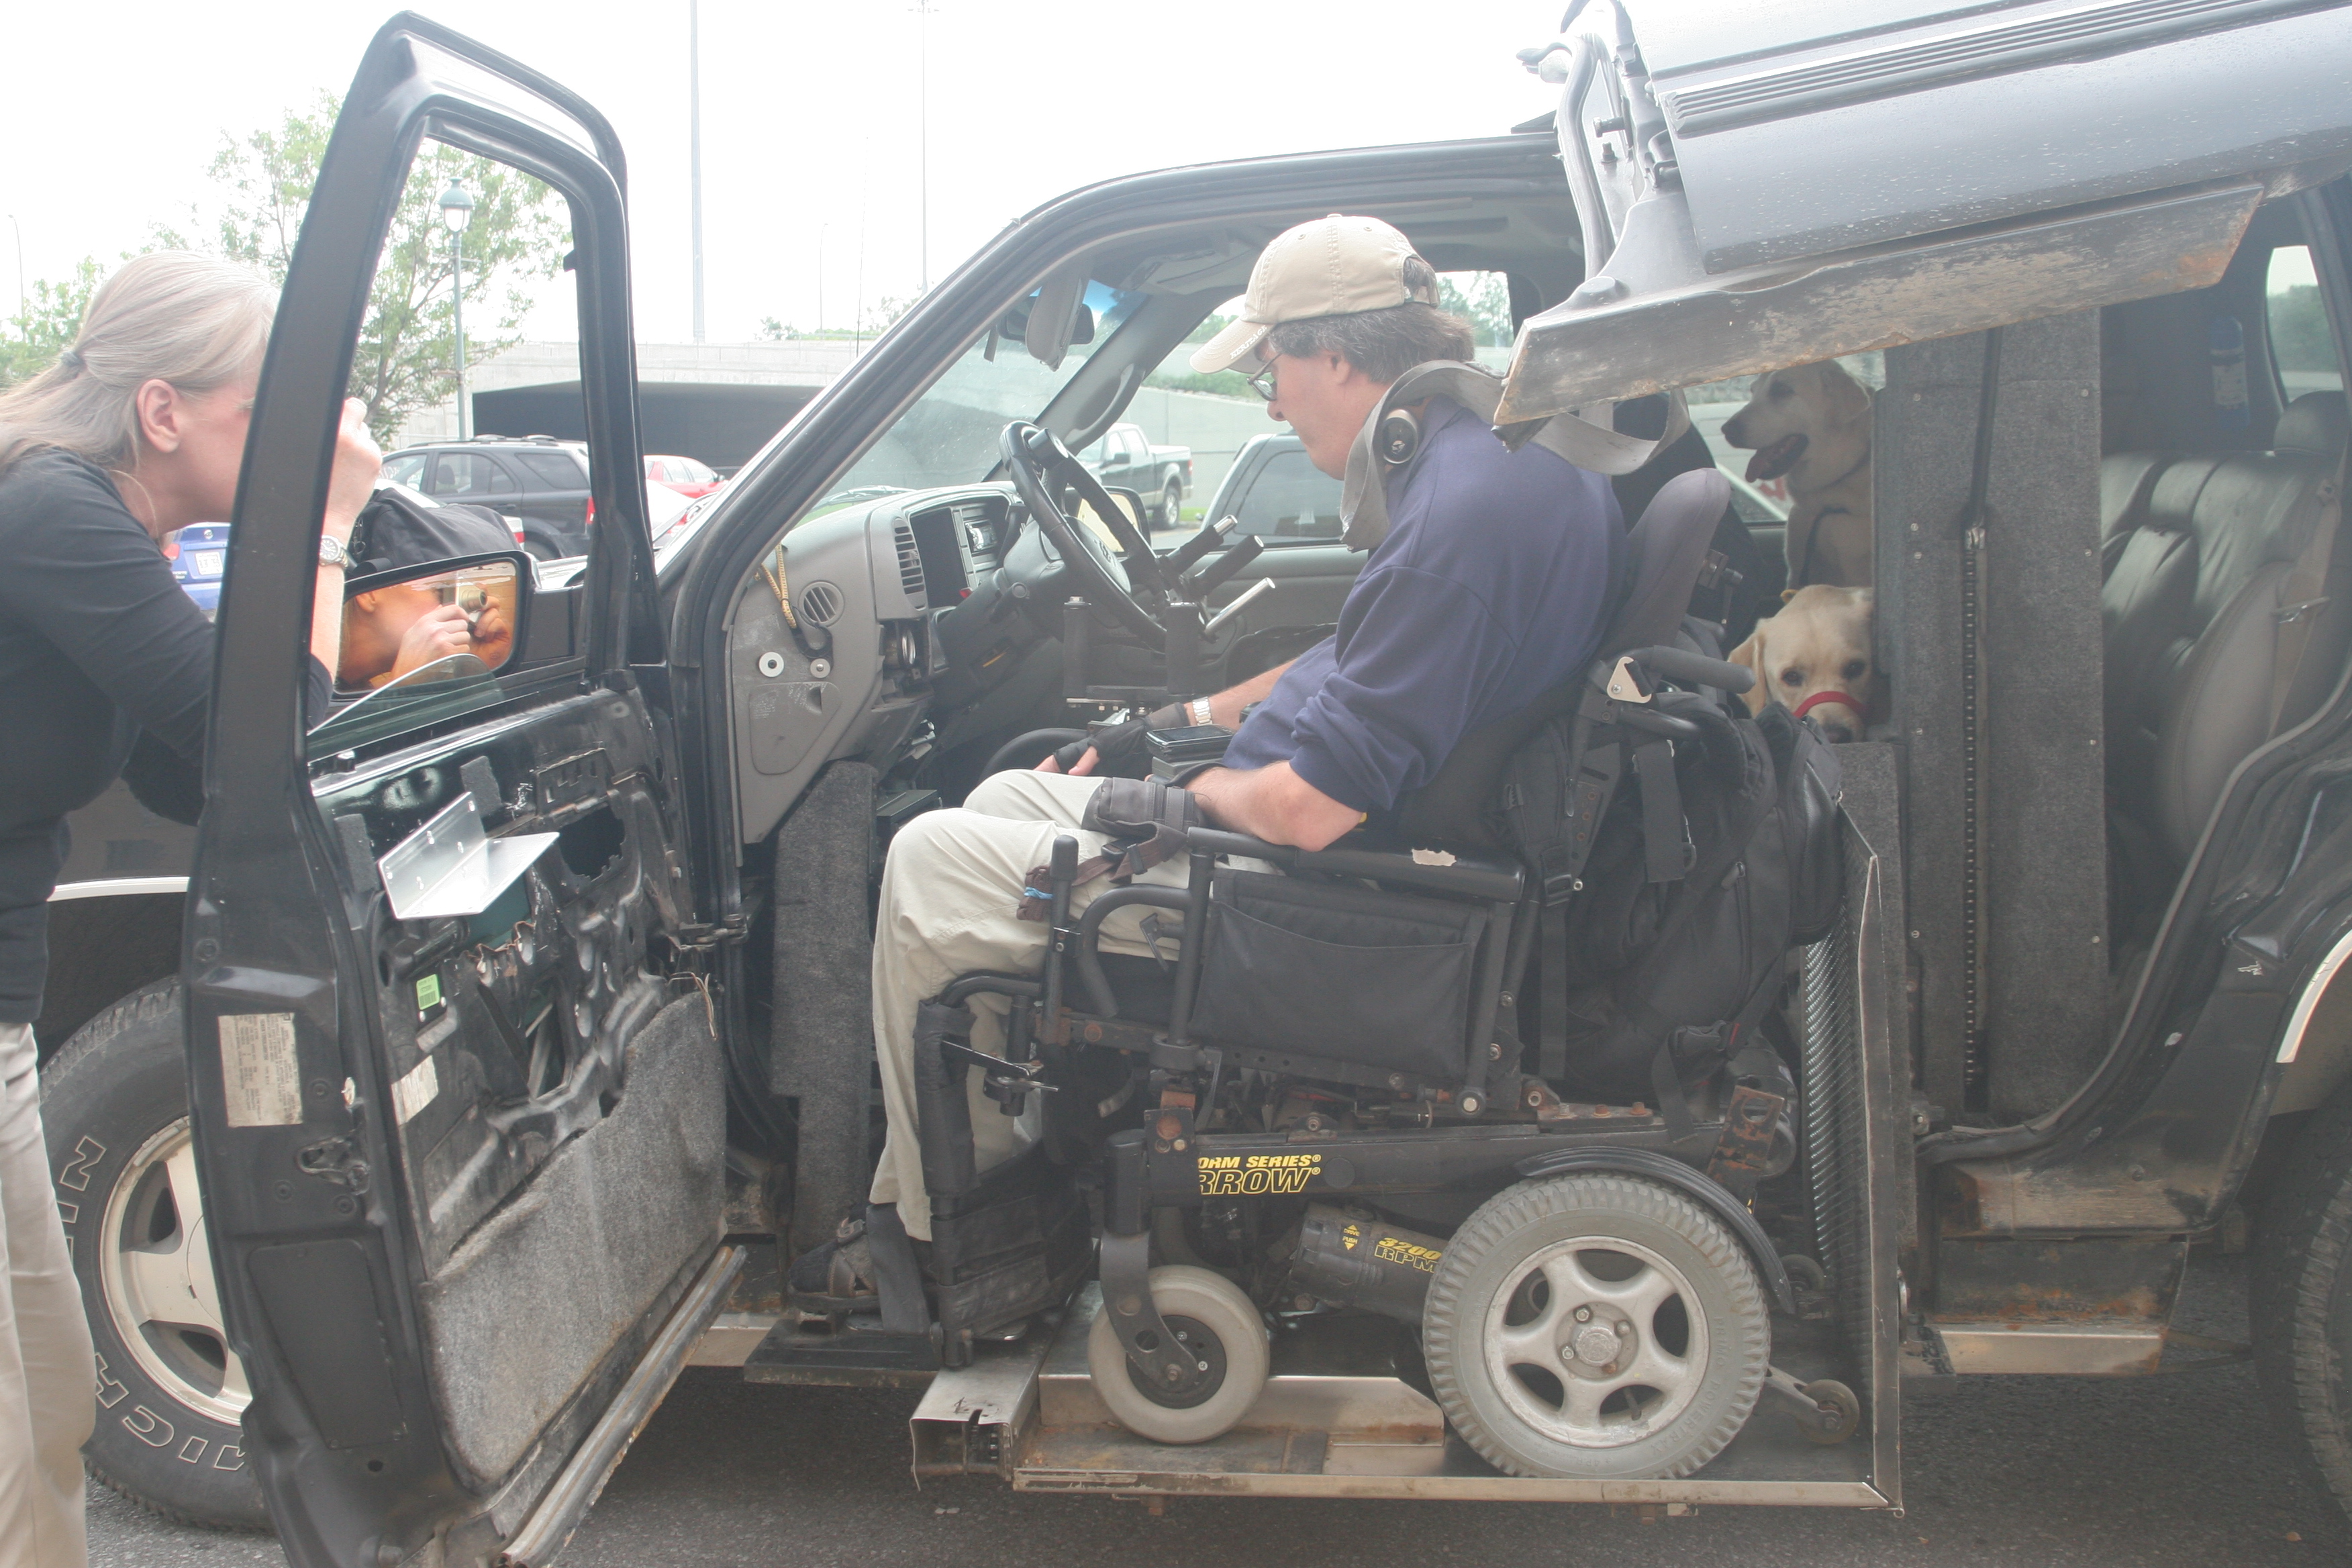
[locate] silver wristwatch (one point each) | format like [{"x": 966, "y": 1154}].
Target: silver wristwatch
[
  {"x": 332, "y": 552},
  {"x": 1200, "y": 711}
]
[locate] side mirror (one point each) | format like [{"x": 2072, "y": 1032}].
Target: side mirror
[
  {"x": 434, "y": 620},
  {"x": 1129, "y": 501}
]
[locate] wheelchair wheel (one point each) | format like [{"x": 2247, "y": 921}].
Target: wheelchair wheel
[
  {"x": 1209, "y": 1312},
  {"x": 1596, "y": 1326}
]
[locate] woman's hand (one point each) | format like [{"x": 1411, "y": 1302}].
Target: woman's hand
[
  {"x": 358, "y": 460},
  {"x": 437, "y": 634}
]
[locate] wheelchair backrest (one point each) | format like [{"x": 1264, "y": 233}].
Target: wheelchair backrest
[{"x": 1662, "y": 556}]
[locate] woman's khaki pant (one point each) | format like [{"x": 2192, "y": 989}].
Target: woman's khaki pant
[
  {"x": 46, "y": 1399},
  {"x": 949, "y": 897}
]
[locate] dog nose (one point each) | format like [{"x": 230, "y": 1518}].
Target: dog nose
[{"x": 1734, "y": 432}]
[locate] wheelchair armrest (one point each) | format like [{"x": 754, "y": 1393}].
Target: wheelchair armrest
[{"x": 1467, "y": 873}]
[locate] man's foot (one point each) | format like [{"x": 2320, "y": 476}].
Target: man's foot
[{"x": 838, "y": 1276}]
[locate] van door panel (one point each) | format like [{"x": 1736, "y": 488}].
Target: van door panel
[{"x": 457, "y": 1171}]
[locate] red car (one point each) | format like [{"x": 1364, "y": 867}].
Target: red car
[{"x": 683, "y": 475}]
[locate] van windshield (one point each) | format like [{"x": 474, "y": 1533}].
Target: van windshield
[{"x": 949, "y": 437}]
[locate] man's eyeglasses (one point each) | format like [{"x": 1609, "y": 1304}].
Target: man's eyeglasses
[{"x": 1263, "y": 384}]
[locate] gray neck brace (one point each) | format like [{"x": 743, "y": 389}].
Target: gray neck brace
[{"x": 1589, "y": 442}]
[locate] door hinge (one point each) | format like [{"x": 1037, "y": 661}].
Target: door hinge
[{"x": 700, "y": 936}]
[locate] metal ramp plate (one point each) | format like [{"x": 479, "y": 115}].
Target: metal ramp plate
[{"x": 1336, "y": 1420}]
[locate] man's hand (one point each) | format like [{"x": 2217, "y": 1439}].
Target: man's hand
[
  {"x": 440, "y": 632},
  {"x": 1106, "y": 748},
  {"x": 1273, "y": 804},
  {"x": 1117, "y": 749}
]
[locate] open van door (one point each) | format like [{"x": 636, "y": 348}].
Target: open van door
[
  {"x": 460, "y": 1131},
  {"x": 1757, "y": 191}
]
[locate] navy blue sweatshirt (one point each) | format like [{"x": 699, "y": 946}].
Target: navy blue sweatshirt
[{"x": 1490, "y": 589}]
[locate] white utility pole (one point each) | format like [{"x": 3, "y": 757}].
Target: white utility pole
[
  {"x": 923, "y": 135},
  {"x": 694, "y": 144}
]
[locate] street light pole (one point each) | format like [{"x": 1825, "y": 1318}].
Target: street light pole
[
  {"x": 456, "y": 211},
  {"x": 694, "y": 144},
  {"x": 923, "y": 139}
]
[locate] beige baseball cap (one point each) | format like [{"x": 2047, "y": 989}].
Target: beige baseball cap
[{"x": 1335, "y": 266}]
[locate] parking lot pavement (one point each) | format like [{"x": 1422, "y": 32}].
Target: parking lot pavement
[{"x": 2164, "y": 1472}]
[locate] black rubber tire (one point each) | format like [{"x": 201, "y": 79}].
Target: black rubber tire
[
  {"x": 118, "y": 1081},
  {"x": 1171, "y": 504},
  {"x": 2301, "y": 1296},
  {"x": 1522, "y": 1221}
]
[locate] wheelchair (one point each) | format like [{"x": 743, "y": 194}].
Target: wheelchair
[{"x": 1318, "y": 1101}]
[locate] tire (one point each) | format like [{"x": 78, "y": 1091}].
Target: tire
[
  {"x": 1672, "y": 1299},
  {"x": 2301, "y": 1296},
  {"x": 114, "y": 1109},
  {"x": 1191, "y": 1301},
  {"x": 1171, "y": 504}
]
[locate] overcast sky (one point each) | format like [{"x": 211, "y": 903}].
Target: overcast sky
[{"x": 811, "y": 115}]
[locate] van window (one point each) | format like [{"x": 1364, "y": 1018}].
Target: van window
[
  {"x": 1290, "y": 498},
  {"x": 560, "y": 469},
  {"x": 2301, "y": 345}
]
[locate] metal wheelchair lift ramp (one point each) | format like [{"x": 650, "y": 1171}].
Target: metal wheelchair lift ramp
[{"x": 1336, "y": 1419}]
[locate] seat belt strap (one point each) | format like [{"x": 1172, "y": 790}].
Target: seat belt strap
[
  {"x": 1663, "y": 839},
  {"x": 2303, "y": 598}
]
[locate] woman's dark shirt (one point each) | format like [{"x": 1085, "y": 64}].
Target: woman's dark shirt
[{"x": 100, "y": 650}]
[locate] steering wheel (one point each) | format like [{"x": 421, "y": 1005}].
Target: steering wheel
[{"x": 1040, "y": 466}]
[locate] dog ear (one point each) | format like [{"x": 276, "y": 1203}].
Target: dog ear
[
  {"x": 1844, "y": 397},
  {"x": 1751, "y": 653}
]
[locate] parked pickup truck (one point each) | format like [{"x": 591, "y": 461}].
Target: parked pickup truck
[{"x": 1160, "y": 475}]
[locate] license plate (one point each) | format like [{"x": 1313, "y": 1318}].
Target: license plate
[{"x": 208, "y": 562}]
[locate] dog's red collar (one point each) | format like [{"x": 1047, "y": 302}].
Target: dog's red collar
[{"x": 1818, "y": 698}]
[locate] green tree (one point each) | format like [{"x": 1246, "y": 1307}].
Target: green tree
[
  {"x": 2299, "y": 334},
  {"x": 406, "y": 358},
  {"x": 1485, "y": 303},
  {"x": 48, "y": 322}
]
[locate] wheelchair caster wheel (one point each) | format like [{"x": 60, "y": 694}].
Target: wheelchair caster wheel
[
  {"x": 1837, "y": 1414},
  {"x": 1216, "y": 1320},
  {"x": 1596, "y": 1327}
]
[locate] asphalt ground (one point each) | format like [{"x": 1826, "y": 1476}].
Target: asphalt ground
[{"x": 2187, "y": 1470}]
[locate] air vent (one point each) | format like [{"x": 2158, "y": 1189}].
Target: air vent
[
  {"x": 821, "y": 602},
  {"x": 910, "y": 564}
]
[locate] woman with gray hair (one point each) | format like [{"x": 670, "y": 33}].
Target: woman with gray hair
[{"x": 106, "y": 668}]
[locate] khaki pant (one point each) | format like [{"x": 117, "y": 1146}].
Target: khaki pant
[
  {"x": 46, "y": 1402},
  {"x": 949, "y": 893}
]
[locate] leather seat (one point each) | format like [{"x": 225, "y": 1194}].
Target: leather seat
[
  {"x": 2202, "y": 550},
  {"x": 2125, "y": 481}
]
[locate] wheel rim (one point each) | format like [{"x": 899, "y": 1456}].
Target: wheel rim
[
  {"x": 156, "y": 1269},
  {"x": 1596, "y": 1342},
  {"x": 1203, "y": 1342},
  {"x": 1171, "y": 505}
]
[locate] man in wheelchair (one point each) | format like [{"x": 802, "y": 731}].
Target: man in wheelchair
[{"x": 1337, "y": 997}]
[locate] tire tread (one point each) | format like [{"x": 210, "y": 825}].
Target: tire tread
[{"x": 1532, "y": 1201}]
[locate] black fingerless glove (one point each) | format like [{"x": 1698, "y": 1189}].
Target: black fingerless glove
[{"x": 1120, "y": 752}]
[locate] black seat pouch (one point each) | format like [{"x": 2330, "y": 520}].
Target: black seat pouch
[{"x": 1377, "y": 978}]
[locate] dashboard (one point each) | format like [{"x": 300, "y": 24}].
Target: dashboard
[{"x": 904, "y": 607}]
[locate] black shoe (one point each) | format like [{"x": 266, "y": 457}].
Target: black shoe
[{"x": 838, "y": 1276}]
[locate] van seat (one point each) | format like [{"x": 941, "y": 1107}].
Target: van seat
[
  {"x": 2126, "y": 479},
  {"x": 2189, "y": 613}
]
